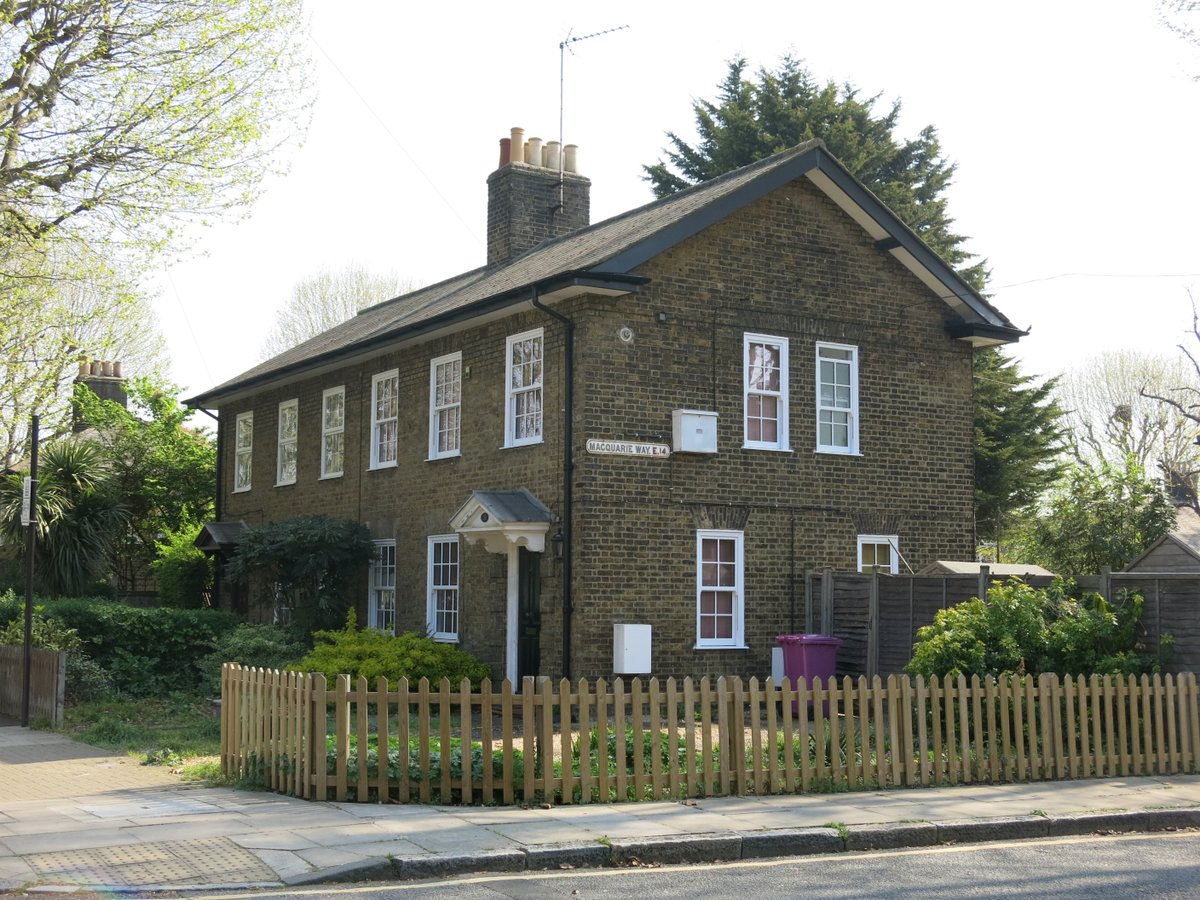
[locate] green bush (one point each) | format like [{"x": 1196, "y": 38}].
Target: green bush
[
  {"x": 372, "y": 654},
  {"x": 308, "y": 565},
  {"x": 261, "y": 646},
  {"x": 146, "y": 651},
  {"x": 182, "y": 572},
  {"x": 1029, "y": 631}
]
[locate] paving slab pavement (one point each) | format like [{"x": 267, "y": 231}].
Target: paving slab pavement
[{"x": 73, "y": 816}]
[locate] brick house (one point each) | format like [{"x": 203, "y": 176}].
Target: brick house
[{"x": 658, "y": 420}]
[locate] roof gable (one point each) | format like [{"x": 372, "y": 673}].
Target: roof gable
[{"x": 602, "y": 258}]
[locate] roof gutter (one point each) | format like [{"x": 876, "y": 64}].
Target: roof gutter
[
  {"x": 568, "y": 470},
  {"x": 604, "y": 282}
]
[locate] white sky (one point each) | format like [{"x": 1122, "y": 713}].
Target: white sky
[{"x": 1074, "y": 126}]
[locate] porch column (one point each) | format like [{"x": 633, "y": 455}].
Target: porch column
[{"x": 510, "y": 622}]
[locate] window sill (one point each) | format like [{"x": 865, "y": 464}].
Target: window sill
[
  {"x": 443, "y": 639},
  {"x": 819, "y": 451},
  {"x": 380, "y": 466},
  {"x": 331, "y": 476},
  {"x": 766, "y": 447},
  {"x": 456, "y": 455},
  {"x": 720, "y": 647},
  {"x": 241, "y": 490},
  {"x": 280, "y": 484},
  {"x": 523, "y": 444}
]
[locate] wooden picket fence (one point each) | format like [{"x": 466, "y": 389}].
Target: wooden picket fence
[{"x": 601, "y": 742}]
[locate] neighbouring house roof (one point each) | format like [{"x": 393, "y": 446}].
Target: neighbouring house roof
[
  {"x": 1004, "y": 570},
  {"x": 1185, "y": 535},
  {"x": 602, "y": 258},
  {"x": 219, "y": 536}
]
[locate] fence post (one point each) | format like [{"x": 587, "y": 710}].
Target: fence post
[
  {"x": 827, "y": 601},
  {"x": 60, "y": 689},
  {"x": 1106, "y": 583},
  {"x": 873, "y": 625},
  {"x": 985, "y": 578}
]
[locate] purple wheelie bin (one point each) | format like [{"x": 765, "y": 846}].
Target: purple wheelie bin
[{"x": 809, "y": 656}]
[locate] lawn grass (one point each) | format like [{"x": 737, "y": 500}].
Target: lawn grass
[{"x": 177, "y": 730}]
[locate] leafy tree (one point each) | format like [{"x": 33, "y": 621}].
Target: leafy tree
[
  {"x": 77, "y": 513},
  {"x": 326, "y": 299},
  {"x": 121, "y": 116},
  {"x": 161, "y": 468},
  {"x": 1102, "y": 516},
  {"x": 182, "y": 571},
  {"x": 120, "y": 122},
  {"x": 1017, "y": 440},
  {"x": 1183, "y": 18},
  {"x": 1180, "y": 394},
  {"x": 1109, "y": 418},
  {"x": 755, "y": 118},
  {"x": 46, "y": 325},
  {"x": 305, "y": 567}
]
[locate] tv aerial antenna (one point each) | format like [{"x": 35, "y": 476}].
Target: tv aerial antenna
[{"x": 563, "y": 46}]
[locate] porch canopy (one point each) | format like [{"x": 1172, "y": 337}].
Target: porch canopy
[{"x": 501, "y": 520}]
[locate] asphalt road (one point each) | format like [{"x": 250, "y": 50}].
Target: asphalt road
[{"x": 1161, "y": 865}]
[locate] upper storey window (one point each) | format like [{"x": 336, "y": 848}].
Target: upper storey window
[{"x": 523, "y": 389}]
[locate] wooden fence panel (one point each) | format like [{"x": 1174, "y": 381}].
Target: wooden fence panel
[{"x": 580, "y": 743}]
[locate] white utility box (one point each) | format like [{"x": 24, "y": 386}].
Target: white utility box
[
  {"x": 631, "y": 649},
  {"x": 693, "y": 431}
]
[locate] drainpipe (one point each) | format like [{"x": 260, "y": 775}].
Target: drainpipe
[
  {"x": 568, "y": 468},
  {"x": 216, "y": 597}
]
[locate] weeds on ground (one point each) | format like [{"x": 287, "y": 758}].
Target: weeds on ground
[{"x": 161, "y": 730}]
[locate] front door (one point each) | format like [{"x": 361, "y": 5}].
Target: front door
[{"x": 529, "y": 613}]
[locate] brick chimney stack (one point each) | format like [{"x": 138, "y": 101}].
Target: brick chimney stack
[
  {"x": 106, "y": 380},
  {"x": 526, "y": 204}
]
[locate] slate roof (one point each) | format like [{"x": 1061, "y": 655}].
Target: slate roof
[
  {"x": 510, "y": 506},
  {"x": 220, "y": 535},
  {"x": 611, "y": 250}
]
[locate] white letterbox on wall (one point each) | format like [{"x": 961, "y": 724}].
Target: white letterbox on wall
[
  {"x": 631, "y": 649},
  {"x": 693, "y": 431}
]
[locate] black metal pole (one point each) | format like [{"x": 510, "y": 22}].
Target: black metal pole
[{"x": 30, "y": 545}]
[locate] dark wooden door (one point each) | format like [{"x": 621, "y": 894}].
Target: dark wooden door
[{"x": 529, "y": 613}]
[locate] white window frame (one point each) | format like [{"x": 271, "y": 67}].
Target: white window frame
[
  {"x": 512, "y": 395},
  {"x": 782, "y": 441},
  {"x": 288, "y": 444},
  {"x": 243, "y": 451},
  {"x": 891, "y": 541},
  {"x": 332, "y": 432},
  {"x": 380, "y": 423},
  {"x": 851, "y": 411},
  {"x": 439, "y": 412},
  {"x": 737, "y": 589},
  {"x": 440, "y": 590},
  {"x": 381, "y": 581}
]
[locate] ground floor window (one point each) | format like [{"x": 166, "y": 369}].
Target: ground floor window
[
  {"x": 381, "y": 601},
  {"x": 719, "y": 592},
  {"x": 879, "y": 551},
  {"x": 443, "y": 587}
]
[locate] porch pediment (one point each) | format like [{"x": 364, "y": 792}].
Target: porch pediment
[{"x": 503, "y": 519}]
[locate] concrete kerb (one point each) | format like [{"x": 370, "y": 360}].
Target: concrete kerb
[{"x": 732, "y": 846}]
